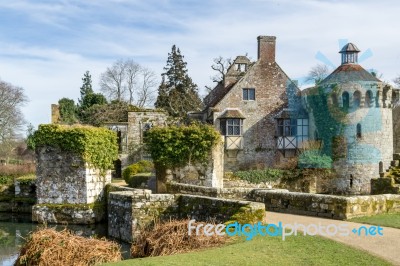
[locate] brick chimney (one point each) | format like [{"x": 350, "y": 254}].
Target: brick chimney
[{"x": 266, "y": 48}]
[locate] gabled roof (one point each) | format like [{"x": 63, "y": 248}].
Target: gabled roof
[
  {"x": 349, "y": 72},
  {"x": 232, "y": 113}
]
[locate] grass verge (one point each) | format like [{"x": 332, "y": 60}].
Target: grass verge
[
  {"x": 269, "y": 251},
  {"x": 386, "y": 219}
]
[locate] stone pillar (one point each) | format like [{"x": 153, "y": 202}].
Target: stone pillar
[
  {"x": 67, "y": 190},
  {"x": 215, "y": 173},
  {"x": 162, "y": 176}
]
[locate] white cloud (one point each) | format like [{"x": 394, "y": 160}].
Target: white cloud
[{"x": 66, "y": 38}]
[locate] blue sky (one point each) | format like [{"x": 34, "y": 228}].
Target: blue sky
[{"x": 47, "y": 46}]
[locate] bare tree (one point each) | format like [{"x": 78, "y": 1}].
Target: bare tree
[
  {"x": 221, "y": 65},
  {"x": 12, "y": 98},
  {"x": 317, "y": 73},
  {"x": 397, "y": 80},
  {"x": 147, "y": 89},
  {"x": 128, "y": 77},
  {"x": 132, "y": 70},
  {"x": 111, "y": 81}
]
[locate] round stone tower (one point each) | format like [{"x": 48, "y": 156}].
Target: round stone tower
[{"x": 350, "y": 112}]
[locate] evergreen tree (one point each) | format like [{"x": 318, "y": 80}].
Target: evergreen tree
[
  {"x": 88, "y": 98},
  {"x": 86, "y": 88},
  {"x": 177, "y": 94}
]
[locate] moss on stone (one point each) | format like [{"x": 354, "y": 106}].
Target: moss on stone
[
  {"x": 389, "y": 205},
  {"x": 58, "y": 207},
  {"x": 26, "y": 179},
  {"x": 245, "y": 215}
]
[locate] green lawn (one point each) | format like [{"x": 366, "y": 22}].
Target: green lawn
[
  {"x": 387, "y": 219},
  {"x": 298, "y": 250}
]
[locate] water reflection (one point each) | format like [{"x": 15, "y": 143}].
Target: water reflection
[{"x": 15, "y": 228}]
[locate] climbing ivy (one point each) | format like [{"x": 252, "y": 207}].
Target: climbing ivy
[
  {"x": 97, "y": 146},
  {"x": 175, "y": 146},
  {"x": 329, "y": 119}
]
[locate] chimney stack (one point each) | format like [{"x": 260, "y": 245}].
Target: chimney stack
[{"x": 266, "y": 48}]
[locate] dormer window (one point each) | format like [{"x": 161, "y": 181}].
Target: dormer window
[
  {"x": 241, "y": 67},
  {"x": 249, "y": 94}
]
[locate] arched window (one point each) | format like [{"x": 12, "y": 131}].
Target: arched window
[
  {"x": 334, "y": 99},
  {"x": 359, "y": 131},
  {"x": 377, "y": 99},
  {"x": 368, "y": 99},
  {"x": 345, "y": 99},
  {"x": 356, "y": 99},
  {"x": 395, "y": 97}
]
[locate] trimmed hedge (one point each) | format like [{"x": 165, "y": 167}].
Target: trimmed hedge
[
  {"x": 176, "y": 146},
  {"x": 97, "y": 146},
  {"x": 130, "y": 173}
]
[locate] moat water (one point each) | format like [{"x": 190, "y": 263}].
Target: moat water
[{"x": 15, "y": 228}]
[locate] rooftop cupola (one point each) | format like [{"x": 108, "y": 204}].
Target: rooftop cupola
[{"x": 349, "y": 54}]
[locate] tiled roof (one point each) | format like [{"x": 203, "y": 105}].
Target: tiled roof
[
  {"x": 232, "y": 113},
  {"x": 349, "y": 72},
  {"x": 217, "y": 94}
]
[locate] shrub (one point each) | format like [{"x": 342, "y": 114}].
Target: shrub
[
  {"x": 176, "y": 146},
  {"x": 172, "y": 237},
  {"x": 258, "y": 176},
  {"x": 142, "y": 166},
  {"x": 145, "y": 166},
  {"x": 6, "y": 179},
  {"x": 49, "y": 247},
  {"x": 137, "y": 180},
  {"x": 129, "y": 171},
  {"x": 314, "y": 159}
]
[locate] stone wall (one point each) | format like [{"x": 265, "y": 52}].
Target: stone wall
[
  {"x": 336, "y": 207},
  {"x": 209, "y": 174},
  {"x": 18, "y": 197},
  {"x": 281, "y": 200},
  {"x": 384, "y": 185},
  {"x": 138, "y": 122},
  {"x": 67, "y": 190},
  {"x": 240, "y": 193},
  {"x": 129, "y": 212},
  {"x": 63, "y": 177}
]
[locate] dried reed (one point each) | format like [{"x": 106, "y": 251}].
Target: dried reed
[
  {"x": 167, "y": 238},
  {"x": 48, "y": 247}
]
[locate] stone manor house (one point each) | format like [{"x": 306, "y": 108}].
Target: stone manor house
[{"x": 266, "y": 119}]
